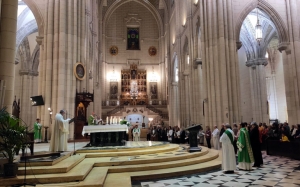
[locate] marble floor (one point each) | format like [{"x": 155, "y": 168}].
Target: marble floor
[{"x": 276, "y": 171}]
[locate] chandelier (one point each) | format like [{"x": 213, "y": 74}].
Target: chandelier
[{"x": 258, "y": 30}]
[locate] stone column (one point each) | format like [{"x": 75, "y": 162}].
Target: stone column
[
  {"x": 220, "y": 64},
  {"x": 8, "y": 29},
  {"x": 258, "y": 90}
]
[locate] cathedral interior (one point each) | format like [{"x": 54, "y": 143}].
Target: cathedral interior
[{"x": 151, "y": 62}]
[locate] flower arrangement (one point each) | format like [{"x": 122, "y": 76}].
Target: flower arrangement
[{"x": 125, "y": 122}]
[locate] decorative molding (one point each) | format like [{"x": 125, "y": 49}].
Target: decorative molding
[
  {"x": 283, "y": 46},
  {"x": 28, "y": 72},
  {"x": 197, "y": 61},
  {"x": 238, "y": 45},
  {"x": 132, "y": 20},
  {"x": 257, "y": 62},
  {"x": 133, "y": 61}
]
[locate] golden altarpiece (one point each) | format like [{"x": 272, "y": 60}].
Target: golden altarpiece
[{"x": 133, "y": 86}]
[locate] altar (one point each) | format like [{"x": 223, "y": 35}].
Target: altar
[{"x": 106, "y": 135}]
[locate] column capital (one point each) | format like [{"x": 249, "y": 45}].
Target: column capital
[
  {"x": 283, "y": 46},
  {"x": 39, "y": 40},
  {"x": 238, "y": 45},
  {"x": 197, "y": 61},
  {"x": 28, "y": 72},
  {"x": 257, "y": 62}
]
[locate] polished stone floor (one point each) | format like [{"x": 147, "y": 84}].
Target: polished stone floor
[{"x": 276, "y": 171}]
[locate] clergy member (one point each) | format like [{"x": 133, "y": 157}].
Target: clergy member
[
  {"x": 136, "y": 133},
  {"x": 60, "y": 131},
  {"x": 228, "y": 157},
  {"x": 91, "y": 120},
  {"x": 245, "y": 154},
  {"x": 37, "y": 131},
  {"x": 216, "y": 138}
]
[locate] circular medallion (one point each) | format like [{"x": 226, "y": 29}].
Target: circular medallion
[
  {"x": 113, "y": 50},
  {"x": 79, "y": 71},
  {"x": 152, "y": 51}
]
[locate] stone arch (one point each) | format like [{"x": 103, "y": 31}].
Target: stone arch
[
  {"x": 23, "y": 32},
  {"x": 271, "y": 12},
  {"x": 37, "y": 14},
  {"x": 149, "y": 6}
]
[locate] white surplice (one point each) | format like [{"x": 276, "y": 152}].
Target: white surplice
[
  {"x": 216, "y": 138},
  {"x": 228, "y": 157},
  {"x": 136, "y": 134},
  {"x": 59, "y": 137}
]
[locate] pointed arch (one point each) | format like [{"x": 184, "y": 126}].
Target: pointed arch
[
  {"x": 271, "y": 12},
  {"x": 37, "y": 14}
]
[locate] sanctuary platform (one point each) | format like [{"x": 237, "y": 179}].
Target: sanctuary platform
[{"x": 118, "y": 166}]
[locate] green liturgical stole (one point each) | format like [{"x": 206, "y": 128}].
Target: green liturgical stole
[{"x": 229, "y": 135}]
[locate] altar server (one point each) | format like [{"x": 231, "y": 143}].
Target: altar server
[
  {"x": 216, "y": 138},
  {"x": 37, "y": 131},
  {"x": 60, "y": 131},
  {"x": 136, "y": 133},
  {"x": 228, "y": 157}
]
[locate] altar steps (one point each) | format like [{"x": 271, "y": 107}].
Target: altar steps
[
  {"x": 94, "y": 169},
  {"x": 63, "y": 167}
]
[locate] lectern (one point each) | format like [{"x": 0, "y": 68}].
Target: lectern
[{"x": 193, "y": 131}]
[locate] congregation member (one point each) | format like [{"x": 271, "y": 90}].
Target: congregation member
[
  {"x": 293, "y": 130},
  {"x": 228, "y": 157},
  {"x": 245, "y": 154},
  {"x": 256, "y": 145},
  {"x": 60, "y": 131},
  {"x": 165, "y": 134},
  {"x": 37, "y": 127},
  {"x": 208, "y": 136},
  {"x": 159, "y": 133},
  {"x": 177, "y": 135},
  {"x": 182, "y": 135},
  {"x": 149, "y": 133},
  {"x": 154, "y": 134},
  {"x": 297, "y": 135},
  {"x": 170, "y": 134},
  {"x": 284, "y": 137},
  {"x": 216, "y": 138},
  {"x": 235, "y": 132},
  {"x": 136, "y": 133},
  {"x": 200, "y": 136}
]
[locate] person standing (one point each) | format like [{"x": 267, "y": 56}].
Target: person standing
[
  {"x": 201, "y": 136},
  {"x": 228, "y": 157},
  {"x": 136, "y": 133},
  {"x": 256, "y": 144},
  {"x": 91, "y": 120},
  {"x": 208, "y": 136},
  {"x": 245, "y": 154},
  {"x": 60, "y": 131},
  {"x": 216, "y": 138},
  {"x": 235, "y": 132},
  {"x": 37, "y": 131}
]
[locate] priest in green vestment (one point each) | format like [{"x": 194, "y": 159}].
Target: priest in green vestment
[
  {"x": 37, "y": 131},
  {"x": 92, "y": 120},
  {"x": 245, "y": 154}
]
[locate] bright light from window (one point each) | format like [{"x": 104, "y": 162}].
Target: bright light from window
[
  {"x": 176, "y": 75},
  {"x": 267, "y": 55},
  {"x": 188, "y": 59}
]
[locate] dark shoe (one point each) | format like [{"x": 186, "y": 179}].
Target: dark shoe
[{"x": 229, "y": 172}]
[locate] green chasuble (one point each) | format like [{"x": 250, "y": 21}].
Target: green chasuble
[
  {"x": 37, "y": 131},
  {"x": 91, "y": 120},
  {"x": 245, "y": 153}
]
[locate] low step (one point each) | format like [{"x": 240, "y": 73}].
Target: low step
[
  {"x": 163, "y": 165},
  {"x": 171, "y": 147},
  {"x": 168, "y": 157},
  {"x": 78, "y": 173},
  {"x": 177, "y": 171},
  {"x": 118, "y": 180},
  {"x": 63, "y": 167},
  {"x": 45, "y": 162},
  {"x": 95, "y": 178}
]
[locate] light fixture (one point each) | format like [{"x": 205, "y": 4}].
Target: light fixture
[
  {"x": 258, "y": 30},
  {"x": 113, "y": 77},
  {"x": 153, "y": 77},
  {"x": 188, "y": 59}
]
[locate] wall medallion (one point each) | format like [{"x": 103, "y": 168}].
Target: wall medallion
[
  {"x": 152, "y": 51},
  {"x": 79, "y": 71},
  {"x": 113, "y": 50}
]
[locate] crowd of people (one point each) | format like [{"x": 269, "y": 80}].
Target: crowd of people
[{"x": 170, "y": 134}]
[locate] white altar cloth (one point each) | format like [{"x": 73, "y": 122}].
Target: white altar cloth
[{"x": 104, "y": 128}]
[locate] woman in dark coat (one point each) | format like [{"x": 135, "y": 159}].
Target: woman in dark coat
[{"x": 255, "y": 144}]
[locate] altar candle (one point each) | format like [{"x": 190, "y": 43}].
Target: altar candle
[
  {"x": 106, "y": 119},
  {"x": 110, "y": 119},
  {"x": 119, "y": 120}
]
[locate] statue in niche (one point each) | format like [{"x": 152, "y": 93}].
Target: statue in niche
[{"x": 133, "y": 74}]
